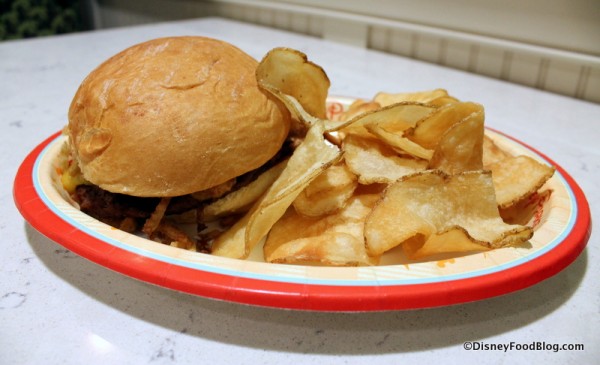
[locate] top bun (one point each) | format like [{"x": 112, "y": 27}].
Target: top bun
[{"x": 173, "y": 116}]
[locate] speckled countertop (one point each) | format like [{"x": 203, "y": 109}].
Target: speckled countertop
[{"x": 59, "y": 308}]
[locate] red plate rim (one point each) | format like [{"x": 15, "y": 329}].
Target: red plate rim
[{"x": 298, "y": 295}]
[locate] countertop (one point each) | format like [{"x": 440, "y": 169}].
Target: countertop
[{"x": 59, "y": 308}]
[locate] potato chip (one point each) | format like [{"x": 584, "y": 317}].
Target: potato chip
[
  {"x": 311, "y": 158},
  {"x": 444, "y": 100},
  {"x": 296, "y": 109},
  {"x": 335, "y": 239},
  {"x": 396, "y": 117},
  {"x": 375, "y": 188},
  {"x": 327, "y": 193},
  {"x": 232, "y": 242},
  {"x": 331, "y": 248},
  {"x": 411, "y": 176},
  {"x": 491, "y": 152},
  {"x": 436, "y": 97},
  {"x": 240, "y": 201},
  {"x": 461, "y": 147},
  {"x": 529, "y": 211},
  {"x": 430, "y": 130},
  {"x": 401, "y": 144},
  {"x": 516, "y": 178},
  {"x": 438, "y": 213},
  {"x": 358, "y": 107},
  {"x": 374, "y": 162},
  {"x": 455, "y": 240},
  {"x": 291, "y": 73}
]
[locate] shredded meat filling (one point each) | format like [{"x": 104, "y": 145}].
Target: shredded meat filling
[
  {"x": 131, "y": 213},
  {"x": 104, "y": 205}
]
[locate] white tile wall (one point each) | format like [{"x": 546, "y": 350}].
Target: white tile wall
[
  {"x": 558, "y": 71},
  {"x": 568, "y": 77}
]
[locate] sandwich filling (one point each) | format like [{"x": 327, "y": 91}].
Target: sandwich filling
[{"x": 168, "y": 219}]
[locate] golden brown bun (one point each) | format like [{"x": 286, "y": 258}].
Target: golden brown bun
[{"x": 173, "y": 116}]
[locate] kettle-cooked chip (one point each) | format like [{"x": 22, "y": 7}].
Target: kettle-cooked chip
[
  {"x": 330, "y": 248},
  {"x": 461, "y": 147},
  {"x": 241, "y": 200},
  {"x": 357, "y": 108},
  {"x": 375, "y": 162},
  {"x": 395, "y": 117},
  {"x": 310, "y": 158},
  {"x": 301, "y": 118},
  {"x": 411, "y": 175},
  {"x": 528, "y": 211},
  {"x": 491, "y": 152},
  {"x": 336, "y": 238},
  {"x": 516, "y": 178},
  {"x": 436, "y": 97},
  {"x": 428, "y": 131},
  {"x": 327, "y": 193},
  {"x": 399, "y": 143},
  {"x": 291, "y": 73},
  {"x": 433, "y": 212},
  {"x": 443, "y": 100}
]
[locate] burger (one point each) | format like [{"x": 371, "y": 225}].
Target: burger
[{"x": 165, "y": 127}]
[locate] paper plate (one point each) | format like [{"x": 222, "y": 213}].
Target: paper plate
[{"x": 561, "y": 235}]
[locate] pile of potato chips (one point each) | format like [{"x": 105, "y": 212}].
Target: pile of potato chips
[{"x": 412, "y": 172}]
